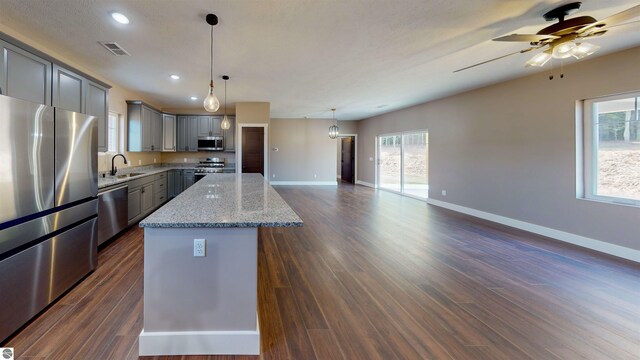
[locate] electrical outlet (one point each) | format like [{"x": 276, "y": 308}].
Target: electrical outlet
[
  {"x": 199, "y": 247},
  {"x": 315, "y": 176},
  {"x": 139, "y": 162},
  {"x": 184, "y": 159},
  {"x": 444, "y": 192},
  {"x": 154, "y": 160},
  {"x": 370, "y": 158},
  {"x": 273, "y": 176}
]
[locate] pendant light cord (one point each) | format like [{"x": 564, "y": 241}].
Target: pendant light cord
[
  {"x": 211, "y": 72},
  {"x": 225, "y": 98}
]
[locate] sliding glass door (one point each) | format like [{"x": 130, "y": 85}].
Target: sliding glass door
[
  {"x": 389, "y": 161},
  {"x": 403, "y": 163}
]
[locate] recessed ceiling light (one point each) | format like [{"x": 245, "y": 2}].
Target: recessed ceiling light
[
  {"x": 175, "y": 77},
  {"x": 194, "y": 98},
  {"x": 120, "y": 18}
]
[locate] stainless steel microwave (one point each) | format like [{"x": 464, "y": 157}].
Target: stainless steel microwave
[{"x": 210, "y": 143}]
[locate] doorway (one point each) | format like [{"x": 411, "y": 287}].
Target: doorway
[
  {"x": 253, "y": 150},
  {"x": 403, "y": 163},
  {"x": 348, "y": 159}
]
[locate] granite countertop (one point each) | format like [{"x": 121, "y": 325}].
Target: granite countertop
[
  {"x": 223, "y": 201},
  {"x": 107, "y": 181}
]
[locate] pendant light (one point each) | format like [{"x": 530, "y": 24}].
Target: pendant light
[
  {"x": 333, "y": 129},
  {"x": 225, "y": 124},
  {"x": 211, "y": 102}
]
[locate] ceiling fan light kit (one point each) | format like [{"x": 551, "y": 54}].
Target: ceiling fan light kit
[
  {"x": 564, "y": 38},
  {"x": 211, "y": 102}
]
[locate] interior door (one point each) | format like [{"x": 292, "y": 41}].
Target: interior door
[
  {"x": 347, "y": 159},
  {"x": 253, "y": 150}
]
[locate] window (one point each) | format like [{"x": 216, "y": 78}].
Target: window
[
  {"x": 612, "y": 149},
  {"x": 112, "y": 133}
]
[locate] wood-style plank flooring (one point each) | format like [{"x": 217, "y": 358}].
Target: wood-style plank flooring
[{"x": 373, "y": 275}]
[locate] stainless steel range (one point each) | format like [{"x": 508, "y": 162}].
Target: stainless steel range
[{"x": 209, "y": 166}]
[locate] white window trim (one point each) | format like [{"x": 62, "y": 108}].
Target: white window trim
[
  {"x": 587, "y": 159},
  {"x": 119, "y": 133}
]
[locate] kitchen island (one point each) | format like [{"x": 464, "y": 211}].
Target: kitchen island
[{"x": 207, "y": 305}]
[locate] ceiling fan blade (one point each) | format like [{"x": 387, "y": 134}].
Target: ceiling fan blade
[
  {"x": 498, "y": 58},
  {"x": 526, "y": 37},
  {"x": 615, "y": 19}
]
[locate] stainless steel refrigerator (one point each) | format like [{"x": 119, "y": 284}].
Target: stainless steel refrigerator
[{"x": 48, "y": 206}]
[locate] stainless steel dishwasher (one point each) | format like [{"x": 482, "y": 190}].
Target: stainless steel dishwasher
[{"x": 113, "y": 205}]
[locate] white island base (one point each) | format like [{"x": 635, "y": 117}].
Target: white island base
[{"x": 200, "y": 305}]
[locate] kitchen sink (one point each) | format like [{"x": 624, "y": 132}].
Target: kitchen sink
[{"x": 123, "y": 176}]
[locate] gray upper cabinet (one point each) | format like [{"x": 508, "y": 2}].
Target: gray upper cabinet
[
  {"x": 230, "y": 136},
  {"x": 145, "y": 127},
  {"x": 69, "y": 89},
  {"x": 97, "y": 105},
  {"x": 24, "y": 75},
  {"x": 168, "y": 132},
  {"x": 209, "y": 126},
  {"x": 187, "y": 133}
]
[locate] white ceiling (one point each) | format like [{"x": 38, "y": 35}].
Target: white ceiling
[{"x": 364, "y": 57}]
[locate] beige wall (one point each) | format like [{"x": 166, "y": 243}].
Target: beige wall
[
  {"x": 305, "y": 151},
  {"x": 253, "y": 112},
  {"x": 509, "y": 149}
]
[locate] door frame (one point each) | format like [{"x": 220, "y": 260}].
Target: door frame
[
  {"x": 239, "y": 147},
  {"x": 377, "y": 162},
  {"x": 355, "y": 146}
]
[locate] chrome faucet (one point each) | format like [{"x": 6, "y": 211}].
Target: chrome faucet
[{"x": 114, "y": 169}]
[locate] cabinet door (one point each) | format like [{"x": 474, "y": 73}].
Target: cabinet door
[
  {"x": 97, "y": 106},
  {"x": 156, "y": 128},
  {"x": 168, "y": 132},
  {"x": 204, "y": 125},
  {"x": 24, "y": 75},
  {"x": 192, "y": 137},
  {"x": 147, "y": 128},
  {"x": 147, "y": 198},
  {"x": 69, "y": 90},
  {"x": 216, "y": 130},
  {"x": 181, "y": 132},
  {"x": 135, "y": 202},
  {"x": 230, "y": 136},
  {"x": 188, "y": 178}
]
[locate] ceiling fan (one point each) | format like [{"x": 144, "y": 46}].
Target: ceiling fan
[{"x": 564, "y": 38}]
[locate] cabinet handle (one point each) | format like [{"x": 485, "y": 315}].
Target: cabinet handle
[{"x": 142, "y": 191}]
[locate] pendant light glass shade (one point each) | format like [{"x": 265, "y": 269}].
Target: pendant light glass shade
[
  {"x": 334, "y": 130},
  {"x": 211, "y": 102},
  {"x": 225, "y": 124}
]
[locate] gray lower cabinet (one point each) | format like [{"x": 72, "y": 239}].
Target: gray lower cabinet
[
  {"x": 160, "y": 190},
  {"x": 174, "y": 183},
  {"x": 188, "y": 178},
  {"x": 24, "y": 75},
  {"x": 97, "y": 105},
  {"x": 69, "y": 90},
  {"x": 142, "y": 197}
]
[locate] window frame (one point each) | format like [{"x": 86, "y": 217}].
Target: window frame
[
  {"x": 118, "y": 133},
  {"x": 587, "y": 150}
]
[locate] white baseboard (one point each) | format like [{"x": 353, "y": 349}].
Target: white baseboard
[
  {"x": 199, "y": 343},
  {"x": 364, "y": 183},
  {"x": 597, "y": 245},
  {"x": 333, "y": 183}
]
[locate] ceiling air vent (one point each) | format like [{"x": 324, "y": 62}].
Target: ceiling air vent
[{"x": 114, "y": 48}]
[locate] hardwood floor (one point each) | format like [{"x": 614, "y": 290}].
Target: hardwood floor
[{"x": 373, "y": 275}]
